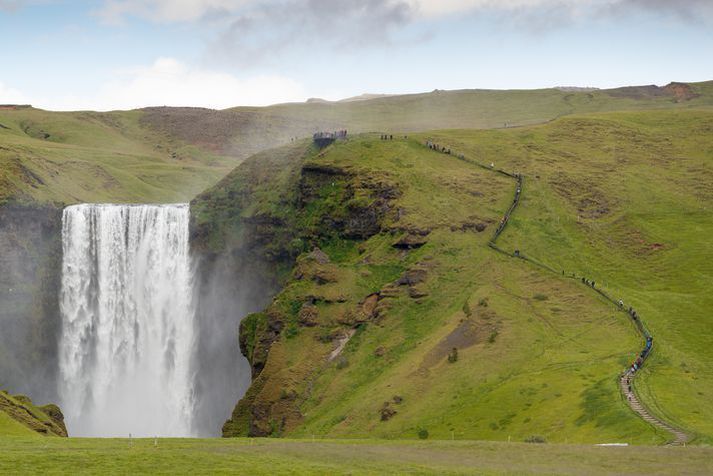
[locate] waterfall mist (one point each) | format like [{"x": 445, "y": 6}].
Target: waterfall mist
[{"x": 128, "y": 327}]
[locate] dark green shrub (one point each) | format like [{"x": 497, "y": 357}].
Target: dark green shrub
[
  {"x": 342, "y": 362},
  {"x": 423, "y": 434},
  {"x": 291, "y": 330},
  {"x": 466, "y": 308}
]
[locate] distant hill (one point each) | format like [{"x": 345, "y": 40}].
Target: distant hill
[{"x": 170, "y": 154}]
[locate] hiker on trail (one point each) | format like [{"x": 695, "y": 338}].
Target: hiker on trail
[
  {"x": 492, "y": 165},
  {"x": 592, "y": 283},
  {"x": 583, "y": 280},
  {"x": 621, "y": 303}
]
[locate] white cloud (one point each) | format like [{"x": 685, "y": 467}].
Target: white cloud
[
  {"x": 9, "y": 5},
  {"x": 191, "y": 10},
  {"x": 9, "y": 95},
  {"x": 168, "y": 82},
  {"x": 444, "y": 7},
  {"x": 114, "y": 11}
]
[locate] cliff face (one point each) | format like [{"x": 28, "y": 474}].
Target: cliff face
[
  {"x": 30, "y": 279},
  {"x": 243, "y": 243},
  {"x": 324, "y": 300},
  {"x": 261, "y": 229}
]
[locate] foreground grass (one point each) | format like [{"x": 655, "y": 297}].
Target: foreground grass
[{"x": 269, "y": 456}]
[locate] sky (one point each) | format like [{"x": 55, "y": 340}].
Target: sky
[{"x": 124, "y": 54}]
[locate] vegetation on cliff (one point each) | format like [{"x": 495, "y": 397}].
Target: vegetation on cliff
[
  {"x": 20, "y": 417},
  {"x": 395, "y": 275}
]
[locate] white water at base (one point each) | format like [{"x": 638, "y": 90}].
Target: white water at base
[{"x": 128, "y": 325}]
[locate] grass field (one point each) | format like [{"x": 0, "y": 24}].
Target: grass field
[{"x": 277, "y": 457}]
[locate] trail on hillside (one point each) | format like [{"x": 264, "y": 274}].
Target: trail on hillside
[{"x": 627, "y": 378}]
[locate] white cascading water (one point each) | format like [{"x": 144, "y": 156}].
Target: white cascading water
[{"x": 128, "y": 325}]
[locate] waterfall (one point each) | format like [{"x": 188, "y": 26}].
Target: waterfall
[{"x": 128, "y": 327}]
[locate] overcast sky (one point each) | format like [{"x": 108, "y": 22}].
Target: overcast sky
[{"x": 120, "y": 54}]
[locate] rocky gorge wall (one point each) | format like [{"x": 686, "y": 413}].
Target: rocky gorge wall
[{"x": 30, "y": 280}]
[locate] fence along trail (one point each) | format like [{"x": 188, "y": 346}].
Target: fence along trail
[{"x": 627, "y": 378}]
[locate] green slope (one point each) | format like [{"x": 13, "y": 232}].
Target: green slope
[
  {"x": 171, "y": 154},
  {"x": 243, "y": 131},
  {"x": 20, "y": 417},
  {"x": 621, "y": 198},
  {"x": 97, "y": 157},
  {"x": 625, "y": 199}
]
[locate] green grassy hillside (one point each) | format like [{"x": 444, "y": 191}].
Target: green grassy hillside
[
  {"x": 626, "y": 199},
  {"x": 244, "y": 131},
  {"x": 97, "y": 157},
  {"x": 396, "y": 319},
  {"x": 20, "y": 417},
  {"x": 328, "y": 457},
  {"x": 360, "y": 341},
  {"x": 171, "y": 154}
]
